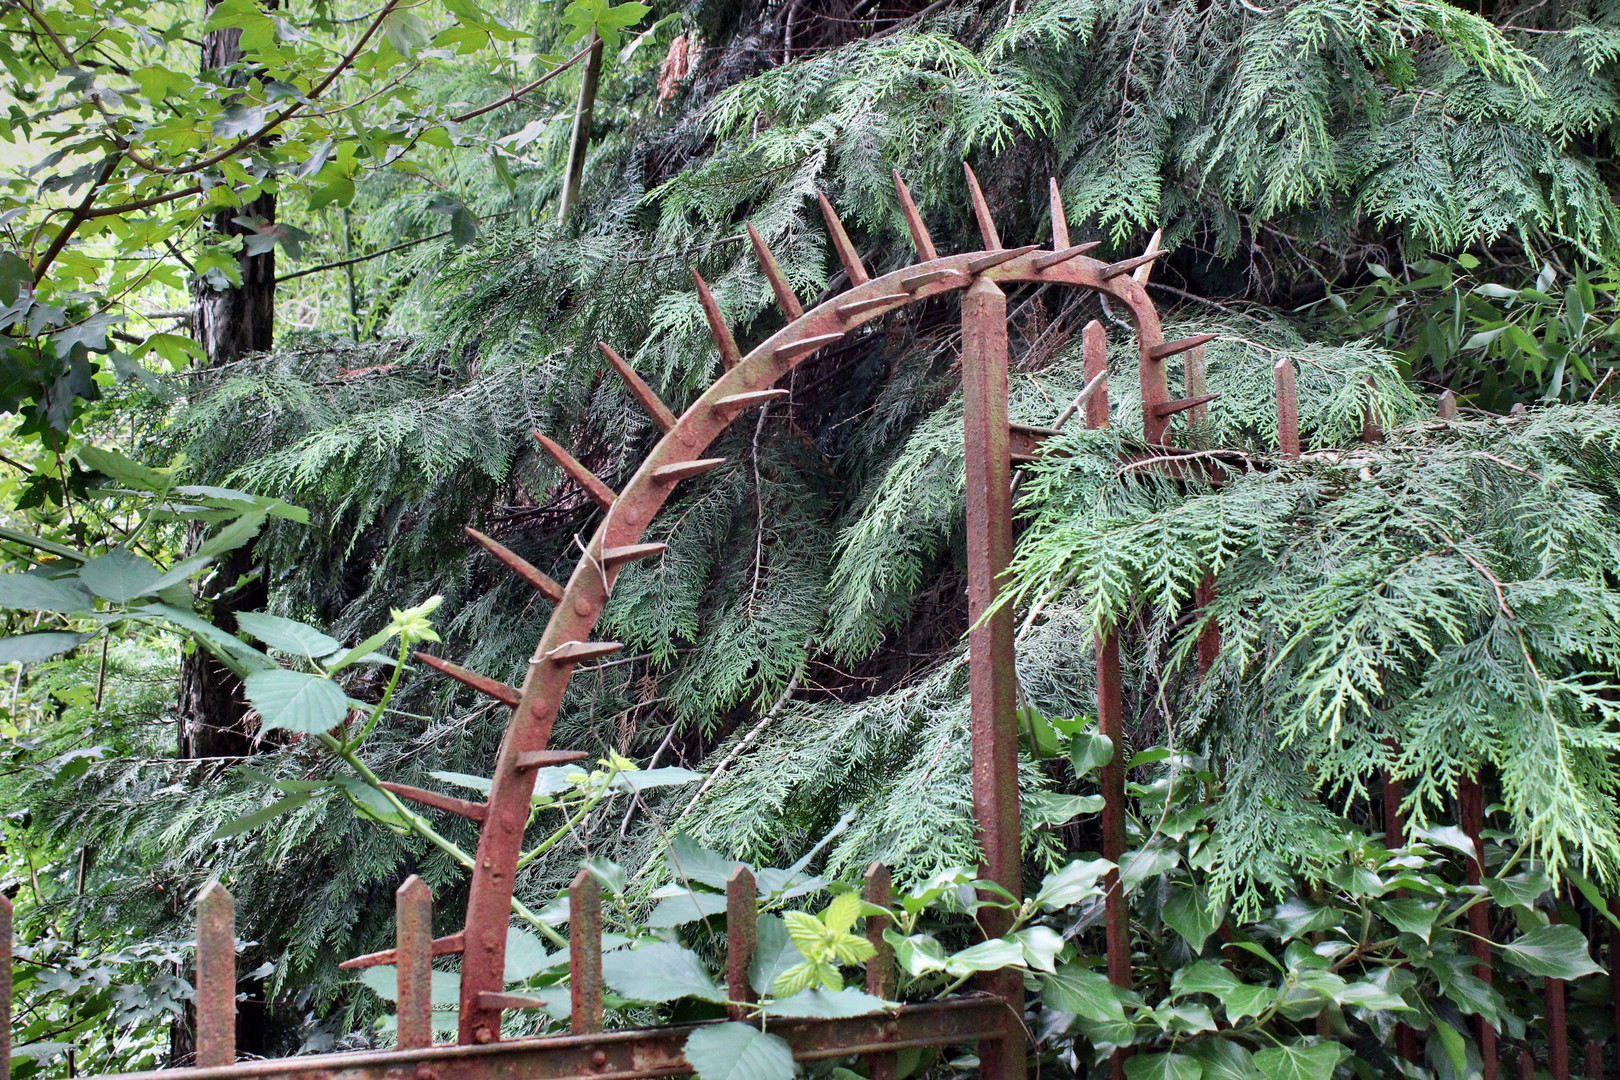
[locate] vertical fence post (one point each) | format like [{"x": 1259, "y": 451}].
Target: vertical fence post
[
  {"x": 5, "y": 988},
  {"x": 1557, "y": 1022},
  {"x": 742, "y": 935},
  {"x": 879, "y": 969},
  {"x": 1111, "y": 723},
  {"x": 1287, "y": 409},
  {"x": 413, "y": 963},
  {"x": 585, "y": 953},
  {"x": 992, "y": 678},
  {"x": 1471, "y": 796},
  {"x": 1594, "y": 1060},
  {"x": 1527, "y": 1066},
  {"x": 215, "y": 996}
]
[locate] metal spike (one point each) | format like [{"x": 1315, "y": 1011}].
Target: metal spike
[
  {"x": 585, "y": 954},
  {"x": 543, "y": 759},
  {"x": 717, "y": 324},
  {"x": 599, "y": 492},
  {"x": 216, "y": 977},
  {"x": 742, "y": 921},
  {"x": 650, "y": 401},
  {"x": 674, "y": 474},
  {"x": 846, "y": 250},
  {"x": 572, "y": 652},
  {"x": 1041, "y": 262},
  {"x": 919, "y": 232},
  {"x": 501, "y": 999},
  {"x": 806, "y": 346},
  {"x": 520, "y": 566},
  {"x": 1448, "y": 406},
  {"x": 785, "y": 299},
  {"x": 917, "y": 281},
  {"x": 506, "y": 695},
  {"x": 981, "y": 210},
  {"x": 1287, "y": 409},
  {"x": 1060, "y": 220},
  {"x": 413, "y": 934},
  {"x": 860, "y": 307},
  {"x": 618, "y": 556},
  {"x": 1142, "y": 272},
  {"x": 1125, "y": 266},
  {"x": 750, "y": 399},
  {"x": 985, "y": 262},
  {"x": 445, "y": 946},
  {"x": 449, "y": 803},
  {"x": 1170, "y": 408},
  {"x": 1168, "y": 349}
]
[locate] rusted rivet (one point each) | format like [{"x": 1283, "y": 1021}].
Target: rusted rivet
[
  {"x": 582, "y": 606},
  {"x": 425, "y": 1073},
  {"x": 483, "y": 1035},
  {"x": 599, "y": 1059}
]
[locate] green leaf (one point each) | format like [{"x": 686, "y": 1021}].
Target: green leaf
[
  {"x": 1090, "y": 750},
  {"x": 384, "y": 982},
  {"x": 1520, "y": 890},
  {"x": 1204, "y": 977},
  {"x": 690, "y": 861},
  {"x": 917, "y": 954},
  {"x": 685, "y": 908},
  {"x": 733, "y": 1051},
  {"x": 1247, "y": 1000},
  {"x": 774, "y": 953},
  {"x": 407, "y": 31},
  {"x": 1079, "y": 990},
  {"x": 1072, "y": 884},
  {"x": 31, "y": 592},
  {"x": 130, "y": 473},
  {"x": 662, "y": 971},
  {"x": 463, "y": 225},
  {"x": 32, "y": 648},
  {"x": 1041, "y": 944},
  {"x": 646, "y": 779},
  {"x": 206, "y": 633},
  {"x": 119, "y": 576},
  {"x": 609, "y": 873},
  {"x": 989, "y": 955},
  {"x": 1189, "y": 913},
  {"x": 1149, "y": 861},
  {"x": 252, "y": 821},
  {"x": 1222, "y": 1059},
  {"x": 1455, "y": 1047},
  {"x": 1369, "y": 995},
  {"x": 526, "y": 955},
  {"x": 296, "y": 701},
  {"x": 287, "y": 635},
  {"x": 841, "y": 914},
  {"x": 1410, "y": 915},
  {"x": 1299, "y": 1061},
  {"x": 826, "y": 1004},
  {"x": 1557, "y": 951},
  {"x": 14, "y": 274},
  {"x": 1163, "y": 1067}
]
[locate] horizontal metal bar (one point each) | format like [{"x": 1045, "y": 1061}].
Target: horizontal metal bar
[{"x": 622, "y": 1055}]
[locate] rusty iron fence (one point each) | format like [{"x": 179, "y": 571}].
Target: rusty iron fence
[{"x": 992, "y": 1017}]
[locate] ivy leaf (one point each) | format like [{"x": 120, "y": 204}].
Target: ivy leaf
[
  {"x": 119, "y": 576},
  {"x": 1078, "y": 990},
  {"x": 662, "y": 971},
  {"x": 1520, "y": 890},
  {"x": 288, "y": 635},
  {"x": 1246, "y": 1000},
  {"x": 1299, "y": 1061},
  {"x": 989, "y": 955},
  {"x": 32, "y": 648},
  {"x": 296, "y": 701},
  {"x": 1041, "y": 944},
  {"x": 1189, "y": 913},
  {"x": 1410, "y": 915},
  {"x": 826, "y": 1004},
  {"x": 1203, "y": 977},
  {"x": 1223, "y": 1059},
  {"x": 1072, "y": 884},
  {"x": 1554, "y": 952},
  {"x": 1090, "y": 750},
  {"x": 1163, "y": 1067},
  {"x": 733, "y": 1051}
]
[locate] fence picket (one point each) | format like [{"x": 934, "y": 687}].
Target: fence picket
[
  {"x": 880, "y": 968},
  {"x": 215, "y": 997},
  {"x": 413, "y": 945},
  {"x": 742, "y": 929},
  {"x": 585, "y": 953},
  {"x": 5, "y": 988}
]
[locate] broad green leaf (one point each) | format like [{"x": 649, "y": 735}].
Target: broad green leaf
[
  {"x": 690, "y": 861},
  {"x": 774, "y": 953},
  {"x": 841, "y": 914},
  {"x": 296, "y": 701},
  {"x": 1146, "y": 862},
  {"x": 685, "y": 908},
  {"x": 1041, "y": 944},
  {"x": 662, "y": 971},
  {"x": 480, "y": 784},
  {"x": 989, "y": 955},
  {"x": 287, "y": 635},
  {"x": 917, "y": 954},
  {"x": 384, "y": 982},
  {"x": 826, "y": 1004},
  {"x": 1410, "y": 915},
  {"x": 526, "y": 955},
  {"x": 1189, "y": 913},
  {"x": 1163, "y": 1067},
  {"x": 646, "y": 779},
  {"x": 259, "y": 817},
  {"x": 1247, "y": 1000},
  {"x": 609, "y": 873},
  {"x": 733, "y": 1051},
  {"x": 1076, "y": 989},
  {"x": 1299, "y": 1061},
  {"x": 32, "y": 648},
  {"x": 1557, "y": 951},
  {"x": 370, "y": 802},
  {"x": 1072, "y": 884},
  {"x": 1455, "y": 1047},
  {"x": 233, "y": 650},
  {"x": 1090, "y": 750},
  {"x": 1447, "y": 836},
  {"x": 1222, "y": 1059},
  {"x": 30, "y": 592},
  {"x": 1297, "y": 917},
  {"x": 1204, "y": 977},
  {"x": 1520, "y": 890},
  {"x": 119, "y": 575},
  {"x": 1369, "y": 995},
  {"x": 124, "y": 470}
]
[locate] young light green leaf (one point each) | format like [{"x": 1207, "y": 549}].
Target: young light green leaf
[
  {"x": 296, "y": 701},
  {"x": 733, "y": 1051}
]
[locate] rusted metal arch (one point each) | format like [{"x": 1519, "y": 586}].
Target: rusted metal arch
[{"x": 616, "y": 542}]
